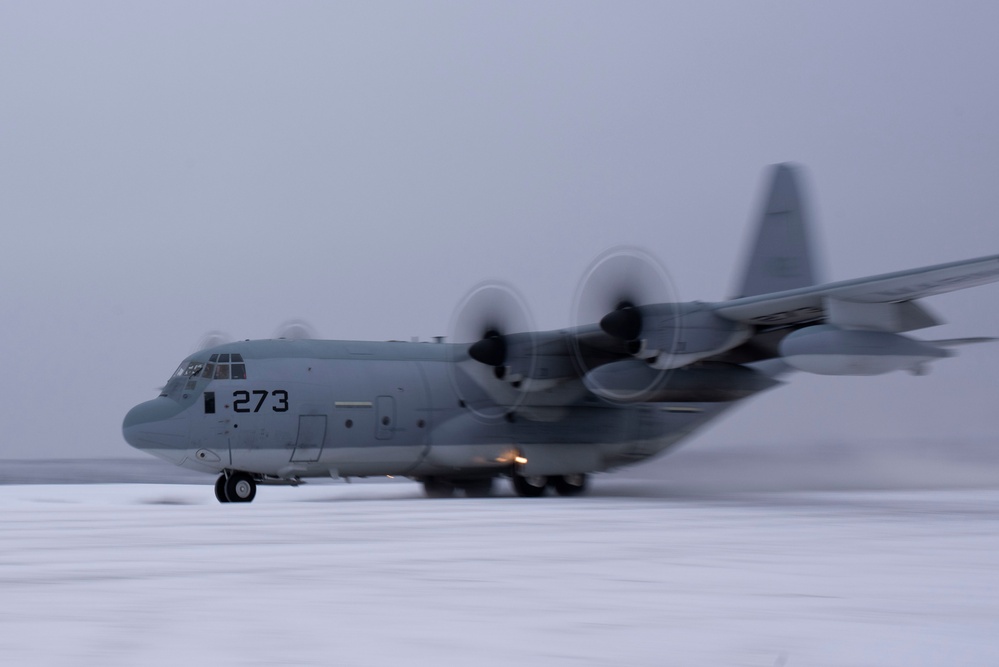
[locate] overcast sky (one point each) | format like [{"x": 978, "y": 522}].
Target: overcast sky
[{"x": 167, "y": 169}]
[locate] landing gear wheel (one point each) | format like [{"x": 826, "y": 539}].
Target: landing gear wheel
[
  {"x": 530, "y": 486},
  {"x": 476, "y": 488},
  {"x": 569, "y": 485},
  {"x": 220, "y": 489},
  {"x": 240, "y": 488},
  {"x": 437, "y": 488}
]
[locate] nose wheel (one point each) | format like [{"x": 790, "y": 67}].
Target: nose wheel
[
  {"x": 220, "y": 489},
  {"x": 237, "y": 487}
]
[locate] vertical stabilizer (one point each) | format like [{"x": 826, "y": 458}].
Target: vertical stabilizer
[{"x": 780, "y": 252}]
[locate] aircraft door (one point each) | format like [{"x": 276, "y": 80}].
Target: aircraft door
[
  {"x": 311, "y": 434},
  {"x": 385, "y": 417}
]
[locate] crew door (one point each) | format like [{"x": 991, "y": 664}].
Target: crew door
[{"x": 311, "y": 435}]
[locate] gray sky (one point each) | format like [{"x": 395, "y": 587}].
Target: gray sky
[{"x": 169, "y": 169}]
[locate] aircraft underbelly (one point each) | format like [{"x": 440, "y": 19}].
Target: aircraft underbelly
[{"x": 587, "y": 439}]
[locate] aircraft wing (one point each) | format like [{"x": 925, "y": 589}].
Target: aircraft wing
[
  {"x": 816, "y": 302},
  {"x": 738, "y": 331}
]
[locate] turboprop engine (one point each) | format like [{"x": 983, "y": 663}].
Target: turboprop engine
[
  {"x": 829, "y": 350},
  {"x": 673, "y": 335}
]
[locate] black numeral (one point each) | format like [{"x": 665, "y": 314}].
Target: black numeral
[{"x": 241, "y": 400}]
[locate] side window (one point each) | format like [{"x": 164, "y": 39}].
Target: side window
[
  {"x": 239, "y": 371},
  {"x": 190, "y": 370}
]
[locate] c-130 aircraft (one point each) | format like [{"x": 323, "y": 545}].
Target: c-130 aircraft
[{"x": 637, "y": 373}]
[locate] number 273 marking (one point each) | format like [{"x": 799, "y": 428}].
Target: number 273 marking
[{"x": 241, "y": 400}]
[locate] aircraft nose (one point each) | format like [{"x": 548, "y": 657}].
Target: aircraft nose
[{"x": 157, "y": 425}]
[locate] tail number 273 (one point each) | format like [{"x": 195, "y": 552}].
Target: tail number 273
[{"x": 242, "y": 401}]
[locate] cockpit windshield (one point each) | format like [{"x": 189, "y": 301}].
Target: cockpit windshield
[{"x": 228, "y": 366}]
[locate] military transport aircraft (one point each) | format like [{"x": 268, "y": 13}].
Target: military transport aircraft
[{"x": 636, "y": 373}]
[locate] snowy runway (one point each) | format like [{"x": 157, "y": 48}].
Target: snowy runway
[{"x": 373, "y": 574}]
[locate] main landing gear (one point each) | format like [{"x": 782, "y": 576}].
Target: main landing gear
[
  {"x": 533, "y": 486},
  {"x": 476, "y": 487},
  {"x": 235, "y": 487},
  {"x": 525, "y": 486}
]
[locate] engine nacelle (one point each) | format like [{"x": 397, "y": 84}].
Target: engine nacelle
[
  {"x": 829, "y": 350},
  {"x": 521, "y": 360},
  {"x": 674, "y": 335},
  {"x": 635, "y": 381}
]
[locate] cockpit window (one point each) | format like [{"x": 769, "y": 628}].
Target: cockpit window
[
  {"x": 192, "y": 370},
  {"x": 225, "y": 367}
]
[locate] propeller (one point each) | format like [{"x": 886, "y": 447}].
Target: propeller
[
  {"x": 490, "y": 328},
  {"x": 296, "y": 329},
  {"x": 632, "y": 298},
  {"x": 212, "y": 339}
]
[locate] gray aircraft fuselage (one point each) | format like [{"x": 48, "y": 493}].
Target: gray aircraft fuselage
[{"x": 311, "y": 408}]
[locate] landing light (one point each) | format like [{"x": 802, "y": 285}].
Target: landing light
[{"x": 520, "y": 459}]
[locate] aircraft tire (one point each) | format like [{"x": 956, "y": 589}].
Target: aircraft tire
[
  {"x": 220, "y": 489},
  {"x": 240, "y": 488},
  {"x": 434, "y": 487},
  {"x": 529, "y": 486},
  {"x": 476, "y": 488},
  {"x": 569, "y": 485}
]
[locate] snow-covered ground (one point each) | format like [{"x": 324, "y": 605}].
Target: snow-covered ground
[{"x": 374, "y": 574}]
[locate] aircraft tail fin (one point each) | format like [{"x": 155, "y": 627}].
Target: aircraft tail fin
[{"x": 780, "y": 256}]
